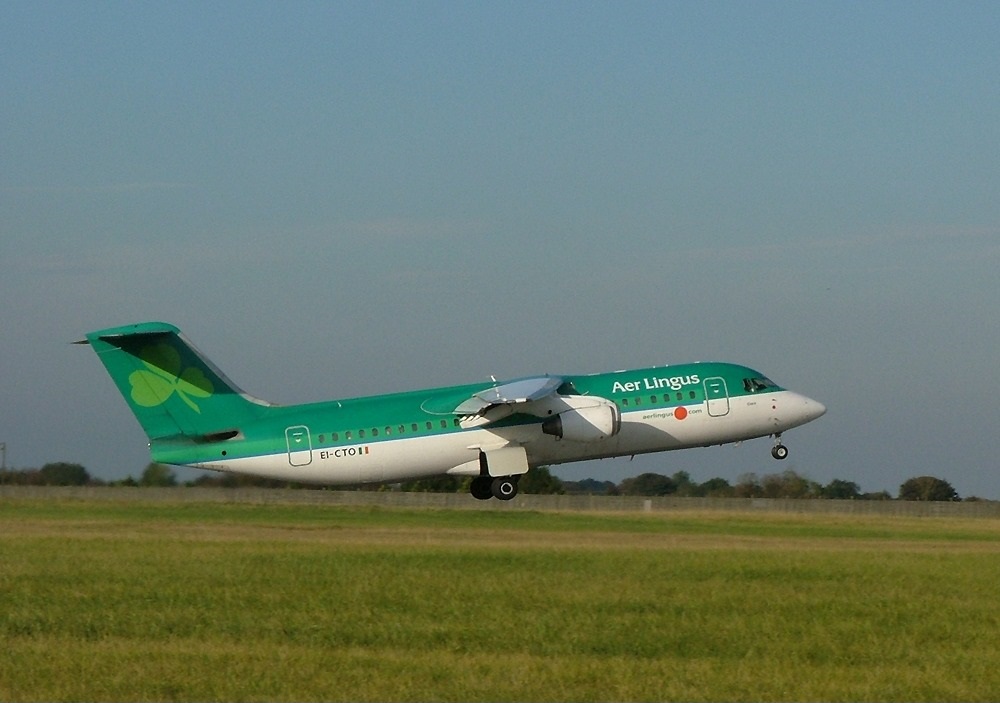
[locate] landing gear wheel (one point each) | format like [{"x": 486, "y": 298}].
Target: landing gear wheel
[
  {"x": 779, "y": 451},
  {"x": 481, "y": 488},
  {"x": 504, "y": 487}
]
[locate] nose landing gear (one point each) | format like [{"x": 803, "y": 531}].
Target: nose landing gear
[{"x": 779, "y": 451}]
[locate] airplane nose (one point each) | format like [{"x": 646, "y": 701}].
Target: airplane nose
[
  {"x": 814, "y": 409},
  {"x": 798, "y": 410}
]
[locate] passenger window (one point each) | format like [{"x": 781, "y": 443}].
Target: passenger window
[
  {"x": 691, "y": 393},
  {"x": 680, "y": 396},
  {"x": 429, "y": 425},
  {"x": 652, "y": 399},
  {"x": 334, "y": 436},
  {"x": 321, "y": 440},
  {"x": 444, "y": 424},
  {"x": 413, "y": 427},
  {"x": 374, "y": 432},
  {"x": 347, "y": 435},
  {"x": 361, "y": 434},
  {"x": 625, "y": 402},
  {"x": 388, "y": 431},
  {"x": 638, "y": 402},
  {"x": 402, "y": 429}
]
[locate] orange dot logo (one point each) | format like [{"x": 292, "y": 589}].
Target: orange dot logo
[{"x": 681, "y": 413}]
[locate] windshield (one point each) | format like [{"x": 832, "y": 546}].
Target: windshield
[{"x": 755, "y": 385}]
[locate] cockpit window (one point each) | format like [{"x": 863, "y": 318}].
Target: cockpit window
[{"x": 756, "y": 385}]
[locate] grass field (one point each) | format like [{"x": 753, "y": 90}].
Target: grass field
[{"x": 102, "y": 601}]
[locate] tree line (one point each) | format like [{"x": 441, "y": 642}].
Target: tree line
[{"x": 787, "y": 484}]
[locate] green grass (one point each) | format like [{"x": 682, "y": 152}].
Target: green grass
[{"x": 242, "y": 602}]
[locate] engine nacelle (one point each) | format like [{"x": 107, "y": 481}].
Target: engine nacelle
[{"x": 599, "y": 421}]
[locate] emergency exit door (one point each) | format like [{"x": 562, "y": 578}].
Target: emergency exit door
[
  {"x": 299, "y": 445},
  {"x": 717, "y": 396}
]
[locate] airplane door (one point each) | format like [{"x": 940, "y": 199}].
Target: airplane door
[
  {"x": 299, "y": 445},
  {"x": 717, "y": 396}
]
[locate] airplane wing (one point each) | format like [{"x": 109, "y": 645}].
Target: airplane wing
[
  {"x": 498, "y": 401},
  {"x": 513, "y": 393}
]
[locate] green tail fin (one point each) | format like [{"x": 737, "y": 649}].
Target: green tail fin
[{"x": 171, "y": 388}]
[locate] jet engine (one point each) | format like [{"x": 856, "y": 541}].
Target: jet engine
[{"x": 598, "y": 420}]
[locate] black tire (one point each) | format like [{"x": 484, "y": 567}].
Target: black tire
[
  {"x": 481, "y": 488},
  {"x": 779, "y": 452},
  {"x": 504, "y": 487}
]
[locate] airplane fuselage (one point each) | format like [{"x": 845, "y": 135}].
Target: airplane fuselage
[{"x": 407, "y": 435}]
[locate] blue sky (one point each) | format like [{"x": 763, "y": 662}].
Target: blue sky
[{"x": 336, "y": 199}]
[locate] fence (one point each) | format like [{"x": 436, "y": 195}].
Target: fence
[{"x": 463, "y": 501}]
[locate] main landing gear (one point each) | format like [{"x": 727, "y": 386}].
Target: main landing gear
[
  {"x": 779, "y": 451},
  {"x": 499, "y": 487}
]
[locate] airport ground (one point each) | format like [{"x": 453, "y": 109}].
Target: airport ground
[{"x": 200, "y": 597}]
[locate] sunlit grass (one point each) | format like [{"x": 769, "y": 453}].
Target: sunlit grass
[{"x": 209, "y": 602}]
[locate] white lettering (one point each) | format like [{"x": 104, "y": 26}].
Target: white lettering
[
  {"x": 675, "y": 383},
  {"x": 628, "y": 387}
]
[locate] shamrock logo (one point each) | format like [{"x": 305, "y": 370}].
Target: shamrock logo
[{"x": 163, "y": 377}]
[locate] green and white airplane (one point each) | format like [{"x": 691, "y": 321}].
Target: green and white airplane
[{"x": 492, "y": 431}]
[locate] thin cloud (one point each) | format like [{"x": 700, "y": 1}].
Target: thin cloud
[
  {"x": 396, "y": 228},
  {"x": 106, "y": 189},
  {"x": 973, "y": 240},
  {"x": 65, "y": 266}
]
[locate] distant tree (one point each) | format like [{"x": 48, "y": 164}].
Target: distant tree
[
  {"x": 647, "y": 484},
  {"x": 590, "y": 485},
  {"x": 684, "y": 486},
  {"x": 213, "y": 481},
  {"x": 228, "y": 480},
  {"x": 772, "y": 486},
  {"x": 877, "y": 495},
  {"x": 540, "y": 480},
  {"x": 21, "y": 477},
  {"x": 433, "y": 484},
  {"x": 798, "y": 486},
  {"x": 63, "y": 474},
  {"x": 748, "y": 486},
  {"x": 788, "y": 484},
  {"x": 158, "y": 475},
  {"x": 839, "y": 489},
  {"x": 927, "y": 488},
  {"x": 715, "y": 488}
]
